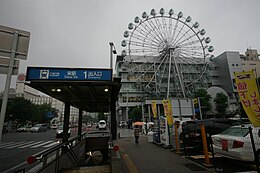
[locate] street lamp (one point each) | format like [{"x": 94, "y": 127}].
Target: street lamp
[{"x": 112, "y": 51}]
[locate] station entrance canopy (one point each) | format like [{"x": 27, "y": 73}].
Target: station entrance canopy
[{"x": 89, "y": 89}]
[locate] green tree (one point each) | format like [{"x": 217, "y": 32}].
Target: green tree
[
  {"x": 102, "y": 116},
  {"x": 19, "y": 108},
  {"x": 41, "y": 112},
  {"x": 221, "y": 101},
  {"x": 88, "y": 119},
  {"x": 204, "y": 98},
  {"x": 136, "y": 114}
]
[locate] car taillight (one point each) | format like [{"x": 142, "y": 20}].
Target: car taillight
[
  {"x": 238, "y": 144},
  {"x": 224, "y": 144}
]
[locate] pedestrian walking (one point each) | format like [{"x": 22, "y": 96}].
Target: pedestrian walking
[{"x": 136, "y": 134}]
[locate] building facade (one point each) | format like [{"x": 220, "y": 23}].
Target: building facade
[
  {"x": 37, "y": 98},
  {"x": 219, "y": 74}
]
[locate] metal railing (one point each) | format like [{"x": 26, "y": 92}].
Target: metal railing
[
  {"x": 69, "y": 155},
  {"x": 40, "y": 161}
]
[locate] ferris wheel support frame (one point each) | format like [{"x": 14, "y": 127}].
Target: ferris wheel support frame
[{"x": 181, "y": 41}]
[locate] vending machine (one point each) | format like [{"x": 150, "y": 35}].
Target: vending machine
[{"x": 164, "y": 131}]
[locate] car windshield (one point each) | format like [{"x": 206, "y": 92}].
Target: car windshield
[
  {"x": 236, "y": 131},
  {"x": 102, "y": 122}
]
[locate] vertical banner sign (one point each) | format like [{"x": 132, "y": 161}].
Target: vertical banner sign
[
  {"x": 168, "y": 111},
  {"x": 154, "y": 110},
  {"x": 196, "y": 105},
  {"x": 249, "y": 95}
]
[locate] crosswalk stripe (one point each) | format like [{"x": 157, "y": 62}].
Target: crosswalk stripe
[
  {"x": 25, "y": 146},
  {"x": 46, "y": 146},
  {"x": 18, "y": 144},
  {"x": 6, "y": 144},
  {"x": 35, "y": 146}
]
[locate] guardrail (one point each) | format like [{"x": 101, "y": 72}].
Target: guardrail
[
  {"x": 53, "y": 156},
  {"x": 71, "y": 154}
]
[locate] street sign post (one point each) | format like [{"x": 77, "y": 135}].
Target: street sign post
[
  {"x": 14, "y": 43},
  {"x": 4, "y": 64},
  {"x": 6, "y": 42}
]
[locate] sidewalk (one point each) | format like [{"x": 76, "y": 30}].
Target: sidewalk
[{"x": 151, "y": 158}]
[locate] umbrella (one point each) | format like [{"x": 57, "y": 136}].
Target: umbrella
[
  {"x": 138, "y": 123},
  {"x": 150, "y": 123}
]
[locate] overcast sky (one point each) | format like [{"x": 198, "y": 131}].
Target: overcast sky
[{"x": 76, "y": 33}]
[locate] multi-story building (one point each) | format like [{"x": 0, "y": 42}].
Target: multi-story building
[
  {"x": 229, "y": 62},
  {"x": 251, "y": 61},
  {"x": 220, "y": 74},
  {"x": 223, "y": 72},
  {"x": 140, "y": 83}
]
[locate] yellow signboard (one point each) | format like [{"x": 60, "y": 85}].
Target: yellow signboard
[
  {"x": 168, "y": 111},
  {"x": 154, "y": 110},
  {"x": 249, "y": 95}
]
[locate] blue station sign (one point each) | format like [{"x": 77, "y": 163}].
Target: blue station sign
[{"x": 68, "y": 74}]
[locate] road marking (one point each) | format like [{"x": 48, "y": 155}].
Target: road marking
[
  {"x": 41, "y": 144},
  {"x": 25, "y": 146},
  {"x": 54, "y": 143},
  {"x": 129, "y": 163},
  {"x": 5, "y": 144},
  {"x": 18, "y": 144}
]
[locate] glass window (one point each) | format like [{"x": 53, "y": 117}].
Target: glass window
[{"x": 236, "y": 131}]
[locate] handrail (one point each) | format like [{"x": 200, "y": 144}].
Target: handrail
[
  {"x": 50, "y": 150},
  {"x": 41, "y": 158}
]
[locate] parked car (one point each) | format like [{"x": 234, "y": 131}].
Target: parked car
[
  {"x": 102, "y": 125},
  {"x": 181, "y": 124},
  {"x": 235, "y": 142},
  {"x": 122, "y": 124},
  {"x": 59, "y": 131},
  {"x": 23, "y": 129},
  {"x": 39, "y": 128},
  {"x": 192, "y": 130},
  {"x": 54, "y": 126}
]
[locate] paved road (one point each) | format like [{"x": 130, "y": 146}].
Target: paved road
[
  {"x": 149, "y": 157},
  {"x": 16, "y": 147}
]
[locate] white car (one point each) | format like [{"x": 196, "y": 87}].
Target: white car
[
  {"x": 122, "y": 123},
  {"x": 235, "y": 142},
  {"x": 39, "y": 128},
  {"x": 24, "y": 129},
  {"x": 59, "y": 131},
  {"x": 102, "y": 125}
]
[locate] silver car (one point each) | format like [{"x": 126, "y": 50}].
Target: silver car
[{"x": 39, "y": 128}]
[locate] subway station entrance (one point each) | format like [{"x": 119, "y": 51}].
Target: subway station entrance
[{"x": 90, "y": 90}]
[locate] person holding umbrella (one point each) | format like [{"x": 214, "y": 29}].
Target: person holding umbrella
[{"x": 137, "y": 131}]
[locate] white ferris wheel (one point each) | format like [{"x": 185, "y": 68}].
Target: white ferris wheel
[{"x": 166, "y": 53}]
